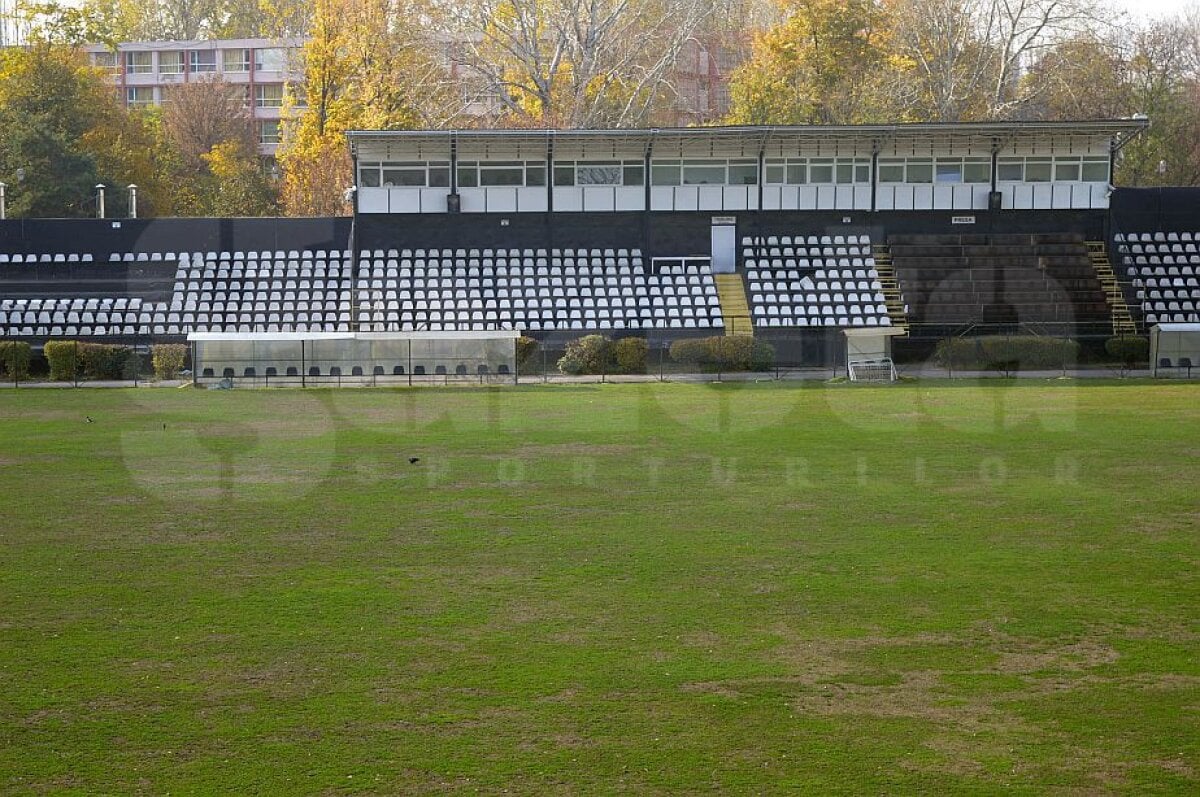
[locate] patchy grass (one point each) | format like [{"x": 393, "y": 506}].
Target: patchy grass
[{"x": 646, "y": 588}]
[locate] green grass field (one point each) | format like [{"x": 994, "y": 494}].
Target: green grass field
[{"x": 591, "y": 589}]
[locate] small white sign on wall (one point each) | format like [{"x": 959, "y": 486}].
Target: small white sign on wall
[
  {"x": 724, "y": 219},
  {"x": 962, "y": 220}
]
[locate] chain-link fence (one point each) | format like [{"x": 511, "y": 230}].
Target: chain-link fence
[{"x": 776, "y": 355}]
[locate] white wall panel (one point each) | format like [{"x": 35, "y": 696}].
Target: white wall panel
[
  {"x": 740, "y": 197},
  {"x": 404, "y": 200},
  {"x": 662, "y": 197},
  {"x": 433, "y": 200},
  {"x": 531, "y": 200},
  {"x": 687, "y": 197},
  {"x": 771, "y": 197},
  {"x": 1043, "y": 196},
  {"x": 372, "y": 200},
  {"x": 599, "y": 198},
  {"x": 632, "y": 197},
  {"x": 862, "y": 197},
  {"x": 1100, "y": 195},
  {"x": 885, "y": 197},
  {"x": 710, "y": 197},
  {"x": 943, "y": 197},
  {"x": 474, "y": 200},
  {"x": 568, "y": 199},
  {"x": 922, "y": 197},
  {"x": 501, "y": 199}
]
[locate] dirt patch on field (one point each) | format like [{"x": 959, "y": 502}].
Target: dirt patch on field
[{"x": 1022, "y": 659}]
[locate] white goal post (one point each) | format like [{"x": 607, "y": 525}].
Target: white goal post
[{"x": 882, "y": 370}]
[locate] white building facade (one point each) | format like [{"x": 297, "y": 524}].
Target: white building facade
[
  {"x": 1020, "y": 166},
  {"x": 145, "y": 72}
]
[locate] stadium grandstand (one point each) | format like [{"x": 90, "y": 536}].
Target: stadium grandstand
[{"x": 791, "y": 234}]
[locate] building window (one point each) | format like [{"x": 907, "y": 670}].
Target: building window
[
  {"x": 1037, "y": 170},
  {"x": 948, "y": 171},
  {"x": 417, "y": 174},
  {"x": 368, "y": 174},
  {"x": 202, "y": 60},
  {"x": 268, "y": 132},
  {"x": 404, "y": 175},
  {"x": 1066, "y": 171},
  {"x": 139, "y": 63},
  {"x": 1095, "y": 170},
  {"x": 269, "y": 59},
  {"x": 743, "y": 173},
  {"x": 104, "y": 60},
  {"x": 590, "y": 173},
  {"x": 170, "y": 63},
  {"x": 269, "y": 96},
  {"x": 1010, "y": 170},
  {"x": 891, "y": 170},
  {"x": 919, "y": 172},
  {"x": 977, "y": 170},
  {"x": 235, "y": 60},
  {"x": 139, "y": 96}
]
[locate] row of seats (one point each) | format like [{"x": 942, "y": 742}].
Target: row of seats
[
  {"x": 789, "y": 285},
  {"x": 1163, "y": 271},
  {"x": 1156, "y": 237},
  {"x": 554, "y": 289}
]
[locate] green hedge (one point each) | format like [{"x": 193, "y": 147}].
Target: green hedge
[
  {"x": 168, "y": 359},
  {"x": 527, "y": 360},
  {"x": 1007, "y": 353},
  {"x": 597, "y": 354},
  {"x": 630, "y": 355},
  {"x": 70, "y": 358},
  {"x": 105, "y": 361},
  {"x": 591, "y": 354},
  {"x": 61, "y": 356},
  {"x": 1130, "y": 351},
  {"x": 724, "y": 353},
  {"x": 15, "y": 356}
]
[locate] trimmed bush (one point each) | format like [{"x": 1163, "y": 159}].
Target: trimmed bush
[
  {"x": 61, "y": 356},
  {"x": 527, "y": 350},
  {"x": 15, "y": 356},
  {"x": 1007, "y": 353},
  {"x": 168, "y": 359},
  {"x": 105, "y": 361},
  {"x": 1130, "y": 351},
  {"x": 724, "y": 353},
  {"x": 630, "y": 355},
  {"x": 591, "y": 354},
  {"x": 692, "y": 351}
]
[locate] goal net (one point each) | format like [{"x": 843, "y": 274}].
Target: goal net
[{"x": 872, "y": 370}]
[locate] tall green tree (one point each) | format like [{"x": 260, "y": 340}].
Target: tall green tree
[
  {"x": 817, "y": 66},
  {"x": 64, "y": 134}
]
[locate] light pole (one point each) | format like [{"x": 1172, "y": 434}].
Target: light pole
[
  {"x": 100, "y": 200},
  {"x": 3, "y": 202},
  {"x": 132, "y": 201}
]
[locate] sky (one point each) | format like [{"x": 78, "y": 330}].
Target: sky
[{"x": 1148, "y": 9}]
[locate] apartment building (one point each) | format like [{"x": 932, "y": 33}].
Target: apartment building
[{"x": 145, "y": 72}]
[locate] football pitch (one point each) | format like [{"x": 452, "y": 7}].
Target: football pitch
[{"x": 652, "y": 588}]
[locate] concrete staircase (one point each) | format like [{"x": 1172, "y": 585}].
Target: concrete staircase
[
  {"x": 731, "y": 290},
  {"x": 1122, "y": 319},
  {"x": 891, "y": 287}
]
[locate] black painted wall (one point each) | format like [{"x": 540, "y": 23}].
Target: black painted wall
[
  {"x": 663, "y": 234},
  {"x": 101, "y": 237},
  {"x": 1156, "y": 210}
]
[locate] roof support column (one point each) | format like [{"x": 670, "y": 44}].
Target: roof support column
[{"x": 550, "y": 172}]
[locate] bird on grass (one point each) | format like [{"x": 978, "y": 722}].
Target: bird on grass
[{"x": 413, "y": 460}]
